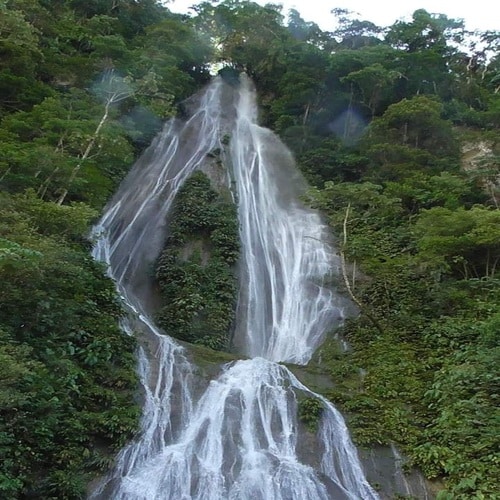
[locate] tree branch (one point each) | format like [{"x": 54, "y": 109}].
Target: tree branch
[
  {"x": 113, "y": 96},
  {"x": 361, "y": 306}
]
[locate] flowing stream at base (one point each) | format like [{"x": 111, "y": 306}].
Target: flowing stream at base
[{"x": 238, "y": 437}]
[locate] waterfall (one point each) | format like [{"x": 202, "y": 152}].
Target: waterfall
[
  {"x": 283, "y": 309},
  {"x": 239, "y": 438}
]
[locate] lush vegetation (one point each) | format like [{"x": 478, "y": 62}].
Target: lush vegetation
[
  {"x": 83, "y": 88},
  {"x": 195, "y": 272},
  {"x": 424, "y": 375},
  {"x": 67, "y": 371},
  {"x": 377, "y": 118},
  {"x": 310, "y": 411}
]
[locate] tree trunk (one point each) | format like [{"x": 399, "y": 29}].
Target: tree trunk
[
  {"x": 361, "y": 306},
  {"x": 87, "y": 151},
  {"x": 115, "y": 93}
]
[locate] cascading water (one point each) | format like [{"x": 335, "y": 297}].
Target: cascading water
[
  {"x": 283, "y": 312},
  {"x": 239, "y": 440}
]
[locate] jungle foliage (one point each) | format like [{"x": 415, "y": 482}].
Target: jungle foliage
[
  {"x": 196, "y": 270},
  {"x": 377, "y": 117}
]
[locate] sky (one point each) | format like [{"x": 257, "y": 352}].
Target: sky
[{"x": 477, "y": 14}]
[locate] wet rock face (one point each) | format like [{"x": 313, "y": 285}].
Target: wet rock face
[
  {"x": 384, "y": 469},
  {"x": 384, "y": 466}
]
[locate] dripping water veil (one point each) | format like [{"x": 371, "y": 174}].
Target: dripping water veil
[{"x": 237, "y": 438}]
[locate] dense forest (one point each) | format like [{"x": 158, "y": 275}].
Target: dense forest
[{"x": 396, "y": 130}]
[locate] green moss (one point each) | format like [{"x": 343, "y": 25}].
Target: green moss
[{"x": 208, "y": 361}]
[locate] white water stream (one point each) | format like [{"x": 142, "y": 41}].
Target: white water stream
[{"x": 238, "y": 439}]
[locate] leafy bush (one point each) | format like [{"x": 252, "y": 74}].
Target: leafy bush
[
  {"x": 67, "y": 371},
  {"x": 195, "y": 271},
  {"x": 310, "y": 412}
]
